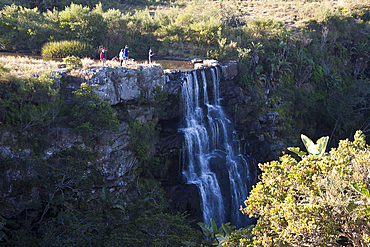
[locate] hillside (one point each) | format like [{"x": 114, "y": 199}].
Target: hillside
[{"x": 303, "y": 68}]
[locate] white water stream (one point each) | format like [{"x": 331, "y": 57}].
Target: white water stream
[{"x": 211, "y": 162}]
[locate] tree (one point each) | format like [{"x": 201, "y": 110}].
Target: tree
[
  {"x": 21, "y": 28},
  {"x": 79, "y": 23},
  {"x": 320, "y": 200},
  {"x": 75, "y": 228}
]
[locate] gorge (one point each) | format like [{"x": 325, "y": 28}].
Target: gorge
[
  {"x": 200, "y": 140},
  {"x": 210, "y": 165}
]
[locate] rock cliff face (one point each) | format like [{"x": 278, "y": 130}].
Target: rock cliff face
[
  {"x": 259, "y": 128},
  {"x": 131, "y": 89},
  {"x": 123, "y": 84}
]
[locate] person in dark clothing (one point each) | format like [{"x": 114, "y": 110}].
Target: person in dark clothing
[
  {"x": 151, "y": 54},
  {"x": 125, "y": 54}
]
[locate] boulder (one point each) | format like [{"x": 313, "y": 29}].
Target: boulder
[
  {"x": 210, "y": 62},
  {"x": 123, "y": 84},
  {"x": 172, "y": 74},
  {"x": 200, "y": 66},
  {"x": 196, "y": 60}
]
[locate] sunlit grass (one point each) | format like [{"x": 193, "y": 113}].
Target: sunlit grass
[
  {"x": 26, "y": 66},
  {"x": 287, "y": 11}
]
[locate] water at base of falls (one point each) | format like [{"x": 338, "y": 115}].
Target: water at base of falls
[{"x": 211, "y": 157}]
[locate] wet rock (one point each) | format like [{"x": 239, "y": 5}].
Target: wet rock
[{"x": 173, "y": 87}]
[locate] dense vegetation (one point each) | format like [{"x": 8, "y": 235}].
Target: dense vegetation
[
  {"x": 69, "y": 215},
  {"x": 306, "y": 60},
  {"x": 314, "y": 65},
  {"x": 322, "y": 199}
]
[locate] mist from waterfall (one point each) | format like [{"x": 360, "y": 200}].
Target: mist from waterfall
[{"x": 213, "y": 159}]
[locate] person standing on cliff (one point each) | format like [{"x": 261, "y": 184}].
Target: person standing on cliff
[
  {"x": 125, "y": 54},
  {"x": 151, "y": 54},
  {"x": 103, "y": 57},
  {"x": 121, "y": 57}
]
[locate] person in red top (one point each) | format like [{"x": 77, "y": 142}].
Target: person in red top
[{"x": 103, "y": 57}]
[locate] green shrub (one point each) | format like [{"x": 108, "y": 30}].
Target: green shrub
[
  {"x": 21, "y": 28},
  {"x": 318, "y": 77},
  {"x": 63, "y": 183},
  {"x": 143, "y": 138},
  {"x": 67, "y": 48},
  {"x": 314, "y": 201},
  {"x": 241, "y": 237},
  {"x": 76, "y": 228},
  {"x": 78, "y": 22},
  {"x": 90, "y": 114},
  {"x": 29, "y": 103},
  {"x": 161, "y": 100},
  {"x": 3, "y": 69},
  {"x": 72, "y": 62},
  {"x": 150, "y": 222}
]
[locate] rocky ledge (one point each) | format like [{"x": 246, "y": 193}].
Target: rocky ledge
[{"x": 123, "y": 84}]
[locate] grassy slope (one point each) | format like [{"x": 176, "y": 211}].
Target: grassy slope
[
  {"x": 295, "y": 11},
  {"x": 287, "y": 11}
]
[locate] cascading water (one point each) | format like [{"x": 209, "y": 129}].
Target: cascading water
[{"x": 211, "y": 161}]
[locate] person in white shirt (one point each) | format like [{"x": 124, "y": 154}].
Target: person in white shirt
[{"x": 121, "y": 57}]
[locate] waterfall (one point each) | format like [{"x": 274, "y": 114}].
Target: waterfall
[{"x": 213, "y": 159}]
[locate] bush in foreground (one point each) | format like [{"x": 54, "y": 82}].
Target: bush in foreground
[{"x": 321, "y": 200}]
